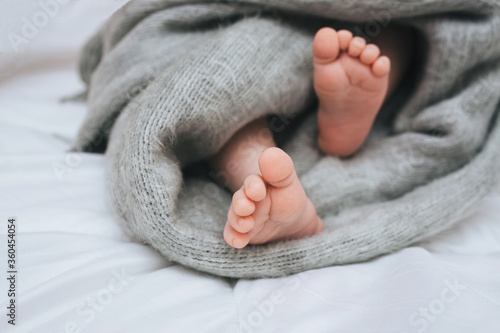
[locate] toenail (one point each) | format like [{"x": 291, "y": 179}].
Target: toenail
[{"x": 237, "y": 243}]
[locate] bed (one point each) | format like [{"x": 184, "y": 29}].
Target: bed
[{"x": 77, "y": 270}]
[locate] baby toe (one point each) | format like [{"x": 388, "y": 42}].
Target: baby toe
[
  {"x": 255, "y": 188},
  {"x": 345, "y": 38},
  {"x": 241, "y": 204},
  {"x": 356, "y": 46},
  {"x": 369, "y": 54},
  {"x": 381, "y": 66},
  {"x": 242, "y": 224},
  {"x": 235, "y": 238}
]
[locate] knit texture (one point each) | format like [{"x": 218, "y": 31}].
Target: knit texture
[{"x": 169, "y": 82}]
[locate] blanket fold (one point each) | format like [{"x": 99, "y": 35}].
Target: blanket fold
[{"x": 169, "y": 82}]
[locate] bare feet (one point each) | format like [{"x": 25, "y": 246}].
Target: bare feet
[
  {"x": 351, "y": 81},
  {"x": 272, "y": 206}
]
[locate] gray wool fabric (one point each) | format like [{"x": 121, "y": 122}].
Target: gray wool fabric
[{"x": 169, "y": 82}]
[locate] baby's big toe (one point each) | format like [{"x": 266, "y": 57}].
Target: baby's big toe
[
  {"x": 276, "y": 167},
  {"x": 325, "y": 46}
]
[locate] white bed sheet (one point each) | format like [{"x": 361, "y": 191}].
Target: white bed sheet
[{"x": 79, "y": 272}]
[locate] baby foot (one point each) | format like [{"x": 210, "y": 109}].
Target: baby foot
[
  {"x": 272, "y": 206},
  {"x": 351, "y": 81}
]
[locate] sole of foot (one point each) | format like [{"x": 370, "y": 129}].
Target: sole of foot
[
  {"x": 271, "y": 206},
  {"x": 351, "y": 81}
]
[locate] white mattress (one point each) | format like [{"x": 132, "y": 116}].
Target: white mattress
[{"x": 79, "y": 272}]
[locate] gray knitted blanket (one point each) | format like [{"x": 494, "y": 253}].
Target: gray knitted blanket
[{"x": 170, "y": 81}]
